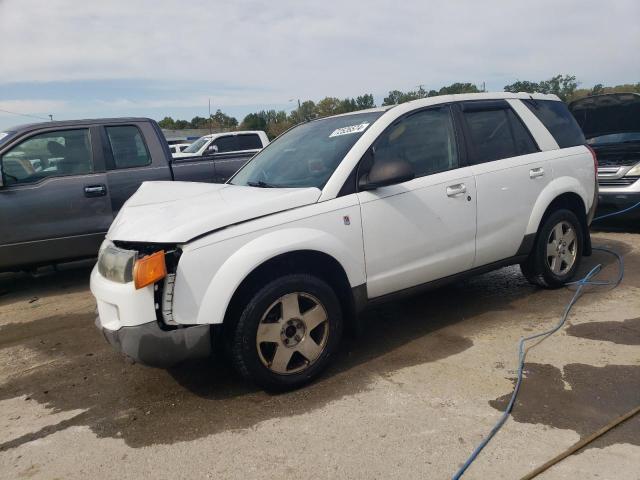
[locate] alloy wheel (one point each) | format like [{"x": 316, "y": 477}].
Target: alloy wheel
[
  {"x": 292, "y": 333},
  {"x": 562, "y": 248}
]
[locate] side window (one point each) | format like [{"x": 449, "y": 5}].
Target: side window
[
  {"x": 522, "y": 138},
  {"x": 555, "y": 116},
  {"x": 425, "y": 139},
  {"x": 498, "y": 134},
  {"x": 51, "y": 154},
  {"x": 249, "y": 142},
  {"x": 226, "y": 144},
  {"x": 128, "y": 147}
]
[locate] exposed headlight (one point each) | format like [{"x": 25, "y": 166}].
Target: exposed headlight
[
  {"x": 634, "y": 172},
  {"x": 115, "y": 263}
]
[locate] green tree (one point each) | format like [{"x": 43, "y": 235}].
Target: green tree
[
  {"x": 364, "y": 101},
  {"x": 458, "y": 88},
  {"x": 168, "y": 123},
  {"x": 222, "y": 121},
  {"x": 564, "y": 86}
]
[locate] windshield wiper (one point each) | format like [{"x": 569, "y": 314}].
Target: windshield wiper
[{"x": 261, "y": 184}]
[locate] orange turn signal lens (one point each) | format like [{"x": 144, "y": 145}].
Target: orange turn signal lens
[{"x": 148, "y": 270}]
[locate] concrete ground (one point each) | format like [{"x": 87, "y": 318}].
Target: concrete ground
[{"x": 409, "y": 399}]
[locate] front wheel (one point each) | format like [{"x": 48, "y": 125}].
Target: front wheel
[
  {"x": 287, "y": 332},
  {"x": 557, "y": 252}
]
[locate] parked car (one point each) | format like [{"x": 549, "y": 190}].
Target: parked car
[
  {"x": 611, "y": 123},
  {"x": 178, "y": 147},
  {"x": 229, "y": 145},
  {"x": 62, "y": 183},
  {"x": 338, "y": 214}
]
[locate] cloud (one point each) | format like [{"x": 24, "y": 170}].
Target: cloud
[{"x": 265, "y": 52}]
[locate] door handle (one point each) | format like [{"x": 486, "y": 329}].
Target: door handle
[
  {"x": 536, "y": 172},
  {"x": 454, "y": 190},
  {"x": 95, "y": 191}
]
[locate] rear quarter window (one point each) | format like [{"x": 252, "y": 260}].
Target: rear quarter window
[
  {"x": 249, "y": 142},
  {"x": 555, "y": 116}
]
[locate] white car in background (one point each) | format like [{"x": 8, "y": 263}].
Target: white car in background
[
  {"x": 250, "y": 141},
  {"x": 177, "y": 148},
  {"x": 340, "y": 213}
]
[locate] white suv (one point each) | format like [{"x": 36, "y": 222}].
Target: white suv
[{"x": 337, "y": 214}]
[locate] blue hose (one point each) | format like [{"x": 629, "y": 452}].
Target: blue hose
[
  {"x": 617, "y": 213},
  {"x": 522, "y": 353}
]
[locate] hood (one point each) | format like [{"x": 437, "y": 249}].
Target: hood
[
  {"x": 176, "y": 212},
  {"x": 607, "y": 114}
]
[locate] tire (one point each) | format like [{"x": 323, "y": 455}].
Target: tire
[
  {"x": 552, "y": 264},
  {"x": 287, "y": 333}
]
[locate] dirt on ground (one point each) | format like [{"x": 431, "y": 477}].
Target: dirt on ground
[{"x": 408, "y": 398}]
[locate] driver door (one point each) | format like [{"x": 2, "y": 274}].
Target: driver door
[{"x": 423, "y": 229}]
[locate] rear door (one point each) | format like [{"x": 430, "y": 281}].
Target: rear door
[
  {"x": 424, "y": 229},
  {"x": 510, "y": 173},
  {"x": 55, "y": 203},
  {"x": 233, "y": 152},
  {"x": 131, "y": 160}
]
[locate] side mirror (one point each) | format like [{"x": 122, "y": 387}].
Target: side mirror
[
  {"x": 383, "y": 174},
  {"x": 212, "y": 149}
]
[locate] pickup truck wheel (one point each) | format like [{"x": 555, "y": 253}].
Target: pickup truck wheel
[
  {"x": 557, "y": 253},
  {"x": 287, "y": 333}
]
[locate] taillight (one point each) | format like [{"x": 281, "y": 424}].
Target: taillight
[{"x": 148, "y": 270}]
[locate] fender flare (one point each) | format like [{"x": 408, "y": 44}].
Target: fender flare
[
  {"x": 250, "y": 256},
  {"x": 555, "y": 188}
]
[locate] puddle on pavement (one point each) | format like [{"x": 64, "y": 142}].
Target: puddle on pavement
[
  {"x": 626, "y": 332},
  {"x": 597, "y": 395}
]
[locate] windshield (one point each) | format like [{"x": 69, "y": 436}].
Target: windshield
[
  {"x": 195, "y": 146},
  {"x": 307, "y": 155},
  {"x": 615, "y": 138}
]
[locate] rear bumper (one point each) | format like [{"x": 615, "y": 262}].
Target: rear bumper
[
  {"x": 610, "y": 202},
  {"x": 150, "y": 345}
]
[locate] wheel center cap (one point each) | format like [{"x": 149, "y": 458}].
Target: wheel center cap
[{"x": 292, "y": 332}]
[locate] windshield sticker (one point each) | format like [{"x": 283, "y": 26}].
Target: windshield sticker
[
  {"x": 348, "y": 130},
  {"x": 2, "y": 135}
]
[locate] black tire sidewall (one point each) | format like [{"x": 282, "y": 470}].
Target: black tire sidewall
[
  {"x": 243, "y": 347},
  {"x": 541, "y": 266}
]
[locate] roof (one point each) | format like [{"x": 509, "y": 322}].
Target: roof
[{"x": 67, "y": 123}]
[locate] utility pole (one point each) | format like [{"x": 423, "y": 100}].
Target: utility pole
[{"x": 210, "y": 126}]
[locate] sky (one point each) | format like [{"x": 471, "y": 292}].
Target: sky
[{"x": 79, "y": 59}]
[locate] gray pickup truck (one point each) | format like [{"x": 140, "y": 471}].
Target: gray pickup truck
[{"x": 62, "y": 183}]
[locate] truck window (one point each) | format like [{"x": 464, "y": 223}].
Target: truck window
[
  {"x": 498, "y": 134},
  {"x": 425, "y": 139},
  {"x": 249, "y": 142},
  {"x": 226, "y": 144},
  {"x": 50, "y": 154},
  {"x": 555, "y": 116},
  {"x": 128, "y": 147}
]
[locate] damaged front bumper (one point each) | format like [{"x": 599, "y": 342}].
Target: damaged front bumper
[{"x": 150, "y": 345}]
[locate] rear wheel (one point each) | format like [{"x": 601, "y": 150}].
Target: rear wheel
[
  {"x": 557, "y": 252},
  {"x": 287, "y": 332}
]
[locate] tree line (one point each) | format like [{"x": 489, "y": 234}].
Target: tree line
[{"x": 274, "y": 122}]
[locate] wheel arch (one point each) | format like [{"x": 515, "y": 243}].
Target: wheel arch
[
  {"x": 311, "y": 262},
  {"x": 297, "y": 250},
  {"x": 572, "y": 199}
]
